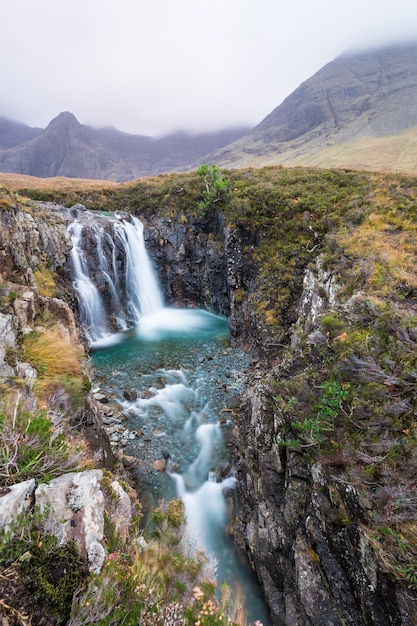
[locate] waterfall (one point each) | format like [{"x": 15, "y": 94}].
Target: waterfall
[
  {"x": 113, "y": 276},
  {"x": 93, "y": 317},
  {"x": 142, "y": 288}
]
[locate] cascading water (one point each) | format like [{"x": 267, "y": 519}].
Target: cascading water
[
  {"x": 113, "y": 276},
  {"x": 93, "y": 317},
  {"x": 185, "y": 377}
]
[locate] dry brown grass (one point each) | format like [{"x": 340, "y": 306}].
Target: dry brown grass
[
  {"x": 393, "y": 153},
  {"x": 45, "y": 279},
  {"x": 13, "y": 182},
  {"x": 388, "y": 244},
  {"x": 57, "y": 362},
  {"x": 51, "y": 354}
]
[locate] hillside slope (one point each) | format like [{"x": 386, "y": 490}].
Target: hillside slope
[
  {"x": 14, "y": 133},
  {"x": 347, "y": 107}
]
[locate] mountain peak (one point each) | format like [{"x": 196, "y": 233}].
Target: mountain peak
[
  {"x": 66, "y": 119},
  {"x": 67, "y": 148}
]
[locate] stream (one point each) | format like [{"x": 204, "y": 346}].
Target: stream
[{"x": 176, "y": 380}]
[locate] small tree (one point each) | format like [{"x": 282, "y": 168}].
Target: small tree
[{"x": 216, "y": 187}]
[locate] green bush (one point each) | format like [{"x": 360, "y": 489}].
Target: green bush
[
  {"x": 54, "y": 572},
  {"x": 215, "y": 188},
  {"x": 48, "y": 573}
]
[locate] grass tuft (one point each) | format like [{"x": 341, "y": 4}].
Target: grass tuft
[
  {"x": 30, "y": 447},
  {"x": 57, "y": 362}
]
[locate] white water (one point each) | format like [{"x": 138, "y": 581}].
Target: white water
[
  {"x": 93, "y": 317},
  {"x": 206, "y": 510},
  {"x": 171, "y": 399},
  {"x": 131, "y": 287},
  {"x": 188, "y": 421},
  {"x": 144, "y": 296}
]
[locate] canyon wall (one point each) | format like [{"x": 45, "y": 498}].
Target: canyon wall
[
  {"x": 309, "y": 531},
  {"x": 308, "y": 527}
]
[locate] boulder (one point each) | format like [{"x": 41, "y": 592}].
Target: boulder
[
  {"x": 121, "y": 509},
  {"x": 15, "y": 500},
  {"x": 130, "y": 395},
  {"x": 74, "y": 505},
  {"x": 62, "y": 315},
  {"x": 26, "y": 308}
]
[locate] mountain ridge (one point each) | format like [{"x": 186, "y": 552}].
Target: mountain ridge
[
  {"x": 358, "y": 111},
  {"x": 367, "y": 94},
  {"x": 70, "y": 149}
]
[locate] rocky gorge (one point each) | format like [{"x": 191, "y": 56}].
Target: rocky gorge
[{"x": 304, "y": 266}]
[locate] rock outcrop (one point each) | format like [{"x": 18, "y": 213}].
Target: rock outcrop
[
  {"x": 72, "y": 508},
  {"x": 30, "y": 239},
  {"x": 34, "y": 242},
  {"x": 14, "y": 501},
  {"x": 308, "y": 533},
  {"x": 202, "y": 262},
  {"x": 75, "y": 512}
]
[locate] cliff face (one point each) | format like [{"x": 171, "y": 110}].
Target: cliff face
[
  {"x": 203, "y": 263},
  {"x": 36, "y": 295},
  {"x": 309, "y": 523},
  {"x": 308, "y": 532}
]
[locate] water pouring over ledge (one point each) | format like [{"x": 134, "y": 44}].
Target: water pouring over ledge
[
  {"x": 117, "y": 287},
  {"x": 184, "y": 375},
  {"x": 113, "y": 276}
]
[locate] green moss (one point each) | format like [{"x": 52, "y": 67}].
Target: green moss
[
  {"x": 55, "y": 573},
  {"x": 239, "y": 295},
  {"x": 331, "y": 324}
]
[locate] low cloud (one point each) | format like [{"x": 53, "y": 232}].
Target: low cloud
[{"x": 160, "y": 65}]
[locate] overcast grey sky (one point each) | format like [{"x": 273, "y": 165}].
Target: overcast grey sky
[{"x": 153, "y": 66}]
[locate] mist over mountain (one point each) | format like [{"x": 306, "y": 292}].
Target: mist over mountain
[
  {"x": 14, "y": 133},
  {"x": 358, "y": 111},
  {"x": 340, "y": 116},
  {"x": 67, "y": 148}
]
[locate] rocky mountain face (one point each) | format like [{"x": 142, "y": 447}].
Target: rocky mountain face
[
  {"x": 13, "y": 133},
  {"x": 358, "y": 111},
  {"x": 360, "y": 96},
  {"x": 68, "y": 148}
]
